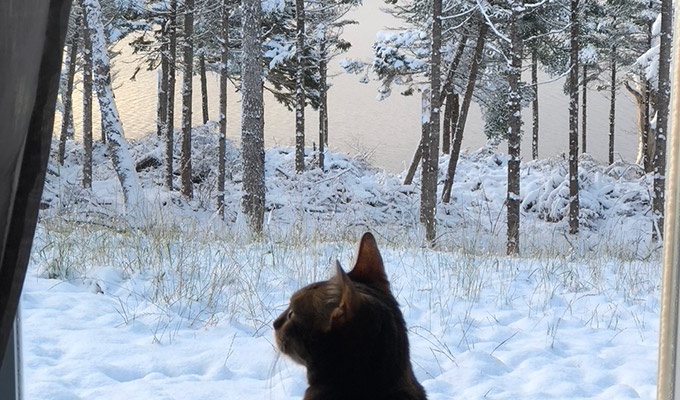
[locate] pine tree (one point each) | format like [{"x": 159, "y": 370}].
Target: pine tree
[
  {"x": 428, "y": 197},
  {"x": 515, "y": 126},
  {"x": 252, "y": 116},
  {"x": 300, "y": 86},
  {"x": 573, "y": 116},
  {"x": 222, "y": 116},
  {"x": 662, "y": 102},
  {"x": 122, "y": 161},
  {"x": 187, "y": 90}
]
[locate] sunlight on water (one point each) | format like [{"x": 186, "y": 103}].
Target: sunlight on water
[{"x": 386, "y": 132}]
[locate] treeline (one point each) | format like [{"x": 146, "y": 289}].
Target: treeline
[
  {"x": 459, "y": 51},
  {"x": 280, "y": 46},
  {"x": 454, "y": 53}
]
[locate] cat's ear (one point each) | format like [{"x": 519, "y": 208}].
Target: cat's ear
[
  {"x": 369, "y": 268},
  {"x": 348, "y": 298}
]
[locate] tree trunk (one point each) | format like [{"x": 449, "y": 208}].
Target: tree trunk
[
  {"x": 447, "y": 88},
  {"x": 646, "y": 133},
  {"x": 170, "y": 117},
  {"x": 323, "y": 101},
  {"x": 662, "y": 103},
  {"x": 163, "y": 84},
  {"x": 573, "y": 118},
  {"x": 534, "y": 104},
  {"x": 584, "y": 107},
  {"x": 87, "y": 106},
  {"x": 514, "y": 131},
  {"x": 122, "y": 161},
  {"x": 462, "y": 117},
  {"x": 647, "y": 136},
  {"x": 252, "y": 116},
  {"x": 187, "y": 90},
  {"x": 612, "y": 106},
  {"x": 299, "y": 87},
  {"x": 204, "y": 88},
  {"x": 67, "y": 92},
  {"x": 224, "y": 78},
  {"x": 428, "y": 199},
  {"x": 446, "y": 129},
  {"x": 424, "y": 143},
  {"x": 414, "y": 163},
  {"x": 448, "y": 97}
]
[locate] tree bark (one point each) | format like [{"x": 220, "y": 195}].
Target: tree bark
[
  {"x": 122, "y": 161},
  {"x": 252, "y": 117},
  {"x": 584, "y": 107},
  {"x": 534, "y": 104},
  {"x": 612, "y": 106},
  {"x": 573, "y": 118},
  {"x": 204, "y": 88},
  {"x": 646, "y": 134},
  {"x": 87, "y": 106},
  {"x": 446, "y": 128},
  {"x": 428, "y": 199},
  {"x": 163, "y": 85},
  {"x": 170, "y": 117},
  {"x": 323, "y": 102},
  {"x": 299, "y": 87},
  {"x": 424, "y": 142},
  {"x": 414, "y": 163},
  {"x": 514, "y": 131},
  {"x": 224, "y": 77},
  {"x": 447, "y": 88},
  {"x": 448, "y": 97},
  {"x": 67, "y": 91},
  {"x": 187, "y": 91},
  {"x": 462, "y": 117},
  {"x": 663, "y": 100}
]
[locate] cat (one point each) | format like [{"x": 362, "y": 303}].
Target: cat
[{"x": 349, "y": 333}]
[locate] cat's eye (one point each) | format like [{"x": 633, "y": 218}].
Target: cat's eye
[{"x": 290, "y": 314}]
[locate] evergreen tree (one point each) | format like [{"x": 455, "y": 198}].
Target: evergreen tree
[{"x": 252, "y": 116}]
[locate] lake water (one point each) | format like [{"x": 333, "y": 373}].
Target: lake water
[{"x": 389, "y": 130}]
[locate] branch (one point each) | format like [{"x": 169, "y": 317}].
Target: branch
[{"x": 491, "y": 25}]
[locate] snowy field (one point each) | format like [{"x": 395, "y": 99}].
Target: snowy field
[{"x": 177, "y": 304}]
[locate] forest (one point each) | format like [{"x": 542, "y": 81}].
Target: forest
[
  {"x": 161, "y": 262},
  {"x": 450, "y": 53}
]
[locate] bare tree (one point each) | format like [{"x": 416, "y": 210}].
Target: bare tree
[
  {"x": 187, "y": 90},
  {"x": 252, "y": 116}
]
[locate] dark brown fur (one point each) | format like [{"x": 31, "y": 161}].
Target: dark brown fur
[{"x": 350, "y": 334}]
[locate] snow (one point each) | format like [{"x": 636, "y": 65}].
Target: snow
[{"x": 183, "y": 308}]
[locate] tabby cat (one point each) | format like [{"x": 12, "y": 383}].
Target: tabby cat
[{"x": 350, "y": 335}]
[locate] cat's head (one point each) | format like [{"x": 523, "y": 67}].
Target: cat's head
[{"x": 324, "y": 308}]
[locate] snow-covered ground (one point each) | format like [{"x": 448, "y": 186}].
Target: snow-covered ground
[{"x": 179, "y": 305}]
